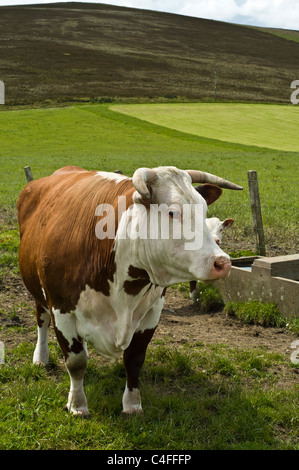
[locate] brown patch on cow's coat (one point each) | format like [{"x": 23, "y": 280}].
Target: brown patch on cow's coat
[
  {"x": 39, "y": 310},
  {"x": 141, "y": 279},
  {"x": 75, "y": 347},
  {"x": 134, "y": 356},
  {"x": 164, "y": 292}
]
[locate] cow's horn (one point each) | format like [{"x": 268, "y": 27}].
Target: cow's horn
[
  {"x": 143, "y": 177},
  {"x": 203, "y": 177}
]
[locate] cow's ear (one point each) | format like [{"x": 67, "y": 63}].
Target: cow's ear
[
  {"x": 228, "y": 223},
  {"x": 210, "y": 192}
]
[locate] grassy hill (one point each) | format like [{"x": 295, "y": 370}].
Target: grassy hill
[{"x": 73, "y": 50}]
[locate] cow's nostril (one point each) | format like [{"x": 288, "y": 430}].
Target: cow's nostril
[
  {"x": 219, "y": 265},
  {"x": 222, "y": 264}
]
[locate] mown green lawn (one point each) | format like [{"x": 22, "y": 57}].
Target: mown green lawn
[{"x": 261, "y": 125}]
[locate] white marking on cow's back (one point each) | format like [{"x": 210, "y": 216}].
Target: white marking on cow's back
[{"x": 116, "y": 177}]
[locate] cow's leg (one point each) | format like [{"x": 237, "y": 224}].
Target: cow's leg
[
  {"x": 76, "y": 365},
  {"x": 75, "y": 353},
  {"x": 43, "y": 318},
  {"x": 134, "y": 357},
  {"x": 193, "y": 285}
]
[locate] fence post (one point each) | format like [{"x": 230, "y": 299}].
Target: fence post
[
  {"x": 256, "y": 212},
  {"x": 28, "y": 174}
]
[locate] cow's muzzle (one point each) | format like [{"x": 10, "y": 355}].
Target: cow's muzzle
[{"x": 221, "y": 267}]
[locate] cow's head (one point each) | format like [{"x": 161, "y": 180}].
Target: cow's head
[
  {"x": 217, "y": 226},
  {"x": 176, "y": 256}
]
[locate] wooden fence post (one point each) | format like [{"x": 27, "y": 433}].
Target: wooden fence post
[
  {"x": 256, "y": 212},
  {"x": 28, "y": 174}
]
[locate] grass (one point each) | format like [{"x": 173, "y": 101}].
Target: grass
[
  {"x": 9, "y": 247},
  {"x": 197, "y": 396},
  {"x": 208, "y": 298},
  {"x": 260, "y": 313},
  {"x": 194, "y": 398},
  {"x": 94, "y": 137},
  {"x": 255, "y": 312},
  {"x": 290, "y": 35},
  {"x": 259, "y": 125}
]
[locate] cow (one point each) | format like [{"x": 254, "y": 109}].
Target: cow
[
  {"x": 216, "y": 228},
  {"x": 109, "y": 291}
]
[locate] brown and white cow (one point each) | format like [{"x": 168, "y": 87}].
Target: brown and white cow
[{"x": 109, "y": 291}]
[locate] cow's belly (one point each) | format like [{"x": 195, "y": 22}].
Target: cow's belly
[{"x": 109, "y": 323}]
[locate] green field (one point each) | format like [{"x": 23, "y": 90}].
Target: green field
[
  {"x": 270, "y": 126},
  {"x": 196, "y": 395},
  {"x": 95, "y": 137}
]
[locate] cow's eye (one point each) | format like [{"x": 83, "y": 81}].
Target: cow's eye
[{"x": 174, "y": 214}]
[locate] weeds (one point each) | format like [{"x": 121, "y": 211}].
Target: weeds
[
  {"x": 208, "y": 299},
  {"x": 255, "y": 312}
]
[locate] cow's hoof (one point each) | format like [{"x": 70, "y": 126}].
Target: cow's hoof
[
  {"x": 40, "y": 363},
  {"x": 133, "y": 412},
  {"x": 84, "y": 413},
  {"x": 81, "y": 413}
]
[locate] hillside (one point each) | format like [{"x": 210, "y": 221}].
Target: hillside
[{"x": 75, "y": 50}]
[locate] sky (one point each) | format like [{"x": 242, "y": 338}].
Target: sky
[{"x": 268, "y": 13}]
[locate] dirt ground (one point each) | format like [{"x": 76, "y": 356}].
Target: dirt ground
[{"x": 180, "y": 323}]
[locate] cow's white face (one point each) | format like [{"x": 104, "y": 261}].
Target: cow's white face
[
  {"x": 217, "y": 226},
  {"x": 176, "y": 244}
]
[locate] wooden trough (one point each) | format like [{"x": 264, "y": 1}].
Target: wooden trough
[{"x": 265, "y": 279}]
